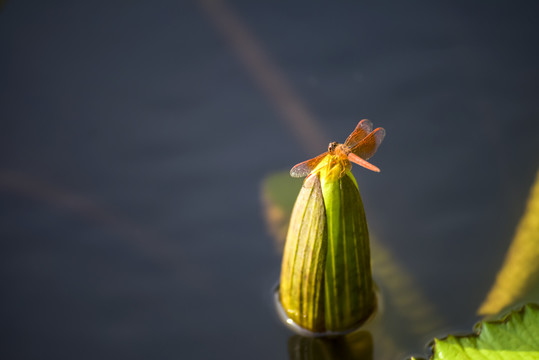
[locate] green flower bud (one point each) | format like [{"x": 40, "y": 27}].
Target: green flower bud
[{"x": 326, "y": 284}]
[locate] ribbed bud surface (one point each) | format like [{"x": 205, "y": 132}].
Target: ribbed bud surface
[
  {"x": 302, "y": 274},
  {"x": 326, "y": 283}
]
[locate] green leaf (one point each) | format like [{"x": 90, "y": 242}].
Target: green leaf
[{"x": 514, "y": 337}]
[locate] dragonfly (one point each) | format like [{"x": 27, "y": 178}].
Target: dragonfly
[{"x": 360, "y": 145}]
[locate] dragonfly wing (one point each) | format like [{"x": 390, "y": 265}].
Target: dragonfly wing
[
  {"x": 304, "y": 168},
  {"x": 367, "y": 147},
  {"x": 357, "y": 160},
  {"x": 363, "y": 128}
]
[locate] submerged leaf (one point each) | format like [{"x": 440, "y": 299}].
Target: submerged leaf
[{"x": 277, "y": 194}]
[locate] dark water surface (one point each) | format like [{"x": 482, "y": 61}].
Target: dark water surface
[{"x": 134, "y": 141}]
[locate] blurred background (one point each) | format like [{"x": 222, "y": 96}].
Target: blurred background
[{"x": 135, "y": 137}]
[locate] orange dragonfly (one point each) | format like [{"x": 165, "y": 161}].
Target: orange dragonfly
[{"x": 360, "y": 145}]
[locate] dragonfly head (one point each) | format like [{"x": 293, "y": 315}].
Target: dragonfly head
[{"x": 332, "y": 146}]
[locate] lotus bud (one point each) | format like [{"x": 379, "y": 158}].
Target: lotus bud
[{"x": 326, "y": 283}]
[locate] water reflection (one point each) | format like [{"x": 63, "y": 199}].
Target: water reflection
[{"x": 356, "y": 346}]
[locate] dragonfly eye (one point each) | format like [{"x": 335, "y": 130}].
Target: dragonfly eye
[{"x": 332, "y": 146}]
